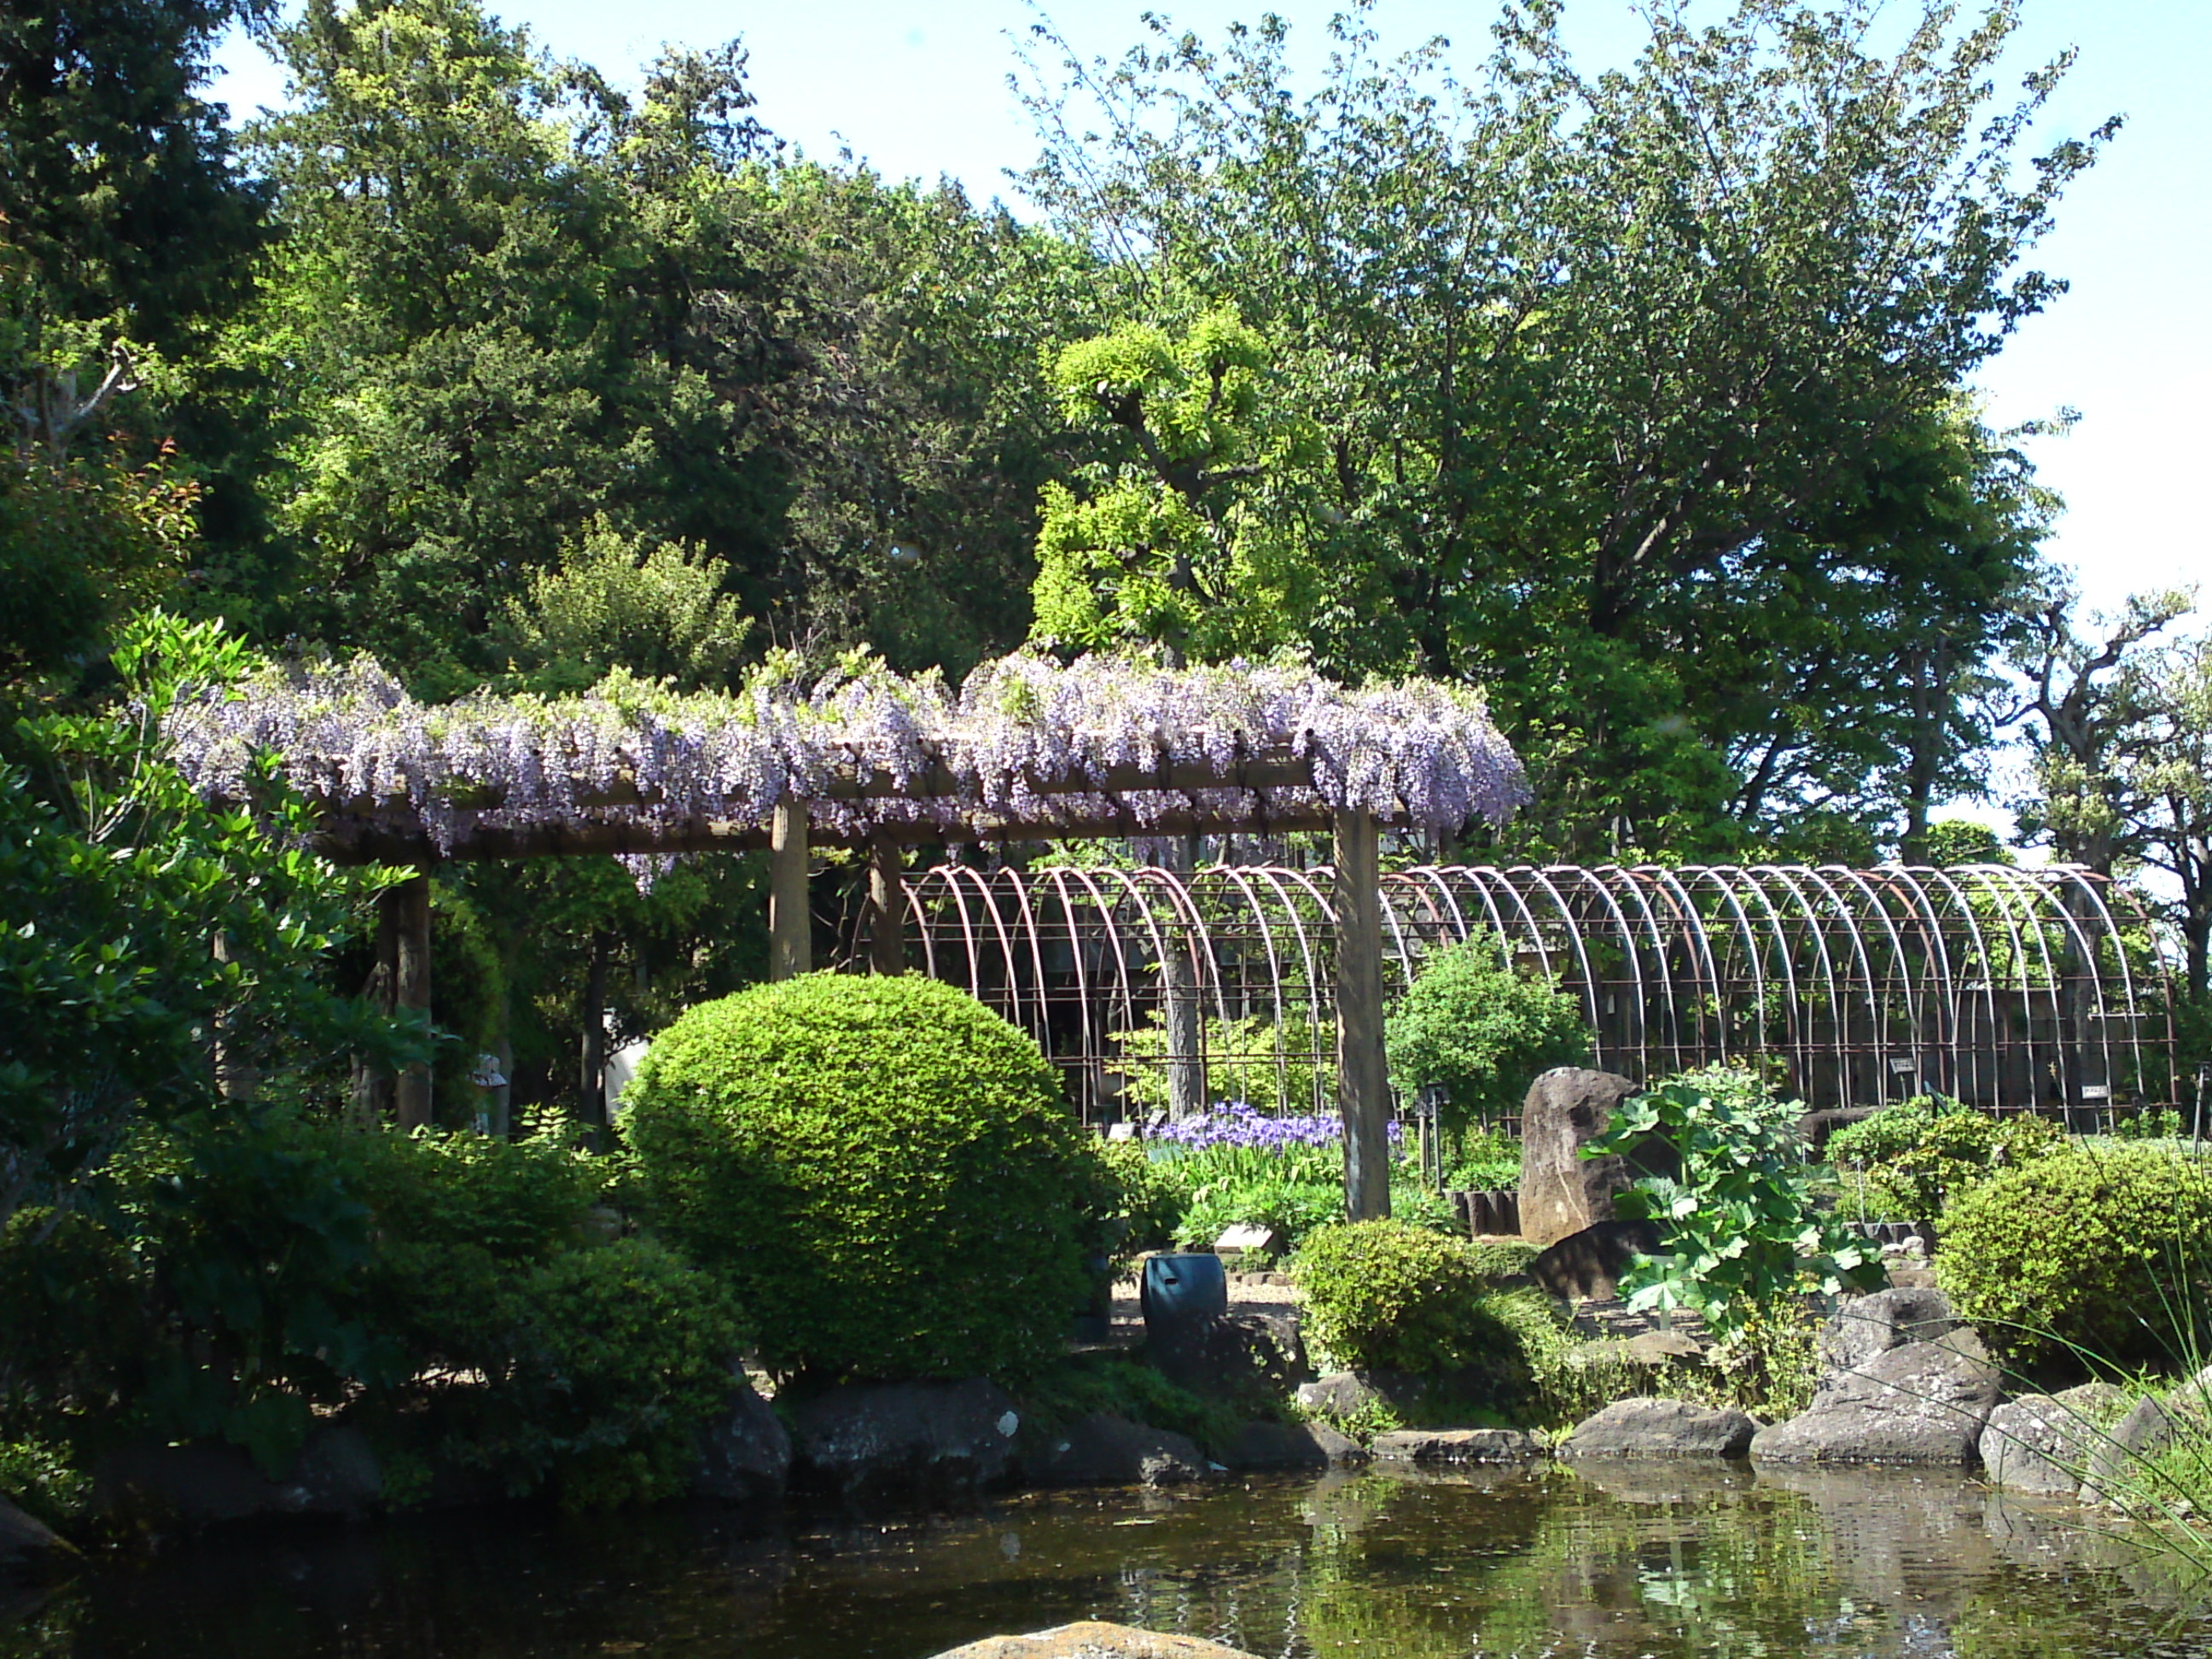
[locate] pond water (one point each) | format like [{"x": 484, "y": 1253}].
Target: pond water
[{"x": 1603, "y": 1562}]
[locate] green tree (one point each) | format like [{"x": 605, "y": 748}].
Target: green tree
[
  {"x": 1188, "y": 535},
  {"x": 1639, "y": 394}
]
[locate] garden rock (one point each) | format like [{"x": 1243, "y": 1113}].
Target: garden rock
[
  {"x": 2149, "y": 1429},
  {"x": 1106, "y": 1450},
  {"x": 1661, "y": 1428},
  {"x": 1341, "y": 1394},
  {"x": 1869, "y": 1325},
  {"x": 1093, "y": 1640},
  {"x": 1453, "y": 1446},
  {"x": 744, "y": 1453},
  {"x": 205, "y": 1483},
  {"x": 26, "y": 1543},
  {"x": 1561, "y": 1191},
  {"x": 1925, "y": 1402},
  {"x": 1590, "y": 1263},
  {"x": 905, "y": 1439},
  {"x": 1247, "y": 1358},
  {"x": 1260, "y": 1445},
  {"x": 2038, "y": 1444},
  {"x": 1652, "y": 1351}
]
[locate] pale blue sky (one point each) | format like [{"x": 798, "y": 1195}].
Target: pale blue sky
[{"x": 920, "y": 90}]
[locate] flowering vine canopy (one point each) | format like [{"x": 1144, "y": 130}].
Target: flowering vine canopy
[{"x": 1026, "y": 748}]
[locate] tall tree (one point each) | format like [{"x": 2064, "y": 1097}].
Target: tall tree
[{"x": 1640, "y": 392}]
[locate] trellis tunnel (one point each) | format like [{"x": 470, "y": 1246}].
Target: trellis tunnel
[{"x": 2010, "y": 988}]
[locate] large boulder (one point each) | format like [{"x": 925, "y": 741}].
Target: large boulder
[
  {"x": 1103, "y": 1449},
  {"x": 2118, "y": 1457},
  {"x": 1561, "y": 1191},
  {"x": 1661, "y": 1428},
  {"x": 1246, "y": 1358},
  {"x": 1590, "y": 1263},
  {"x": 1264, "y": 1445},
  {"x": 2038, "y": 1444},
  {"x": 1865, "y": 1326},
  {"x": 905, "y": 1439},
  {"x": 743, "y": 1454},
  {"x": 1342, "y": 1395},
  {"x": 1093, "y": 1640},
  {"x": 1922, "y": 1402},
  {"x": 1455, "y": 1446},
  {"x": 205, "y": 1483},
  {"x": 27, "y": 1545}
]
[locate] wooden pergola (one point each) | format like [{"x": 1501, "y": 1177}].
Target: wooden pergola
[{"x": 1084, "y": 752}]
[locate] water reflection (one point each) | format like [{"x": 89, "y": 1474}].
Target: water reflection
[{"x": 1603, "y": 1561}]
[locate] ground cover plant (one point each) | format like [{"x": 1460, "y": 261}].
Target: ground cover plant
[{"x": 883, "y": 1170}]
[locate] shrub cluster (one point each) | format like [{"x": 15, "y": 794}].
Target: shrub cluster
[
  {"x": 459, "y": 1296},
  {"x": 1916, "y": 1156},
  {"x": 2101, "y": 1253},
  {"x": 881, "y": 1170}
]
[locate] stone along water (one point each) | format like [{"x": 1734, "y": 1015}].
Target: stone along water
[{"x": 1604, "y": 1562}]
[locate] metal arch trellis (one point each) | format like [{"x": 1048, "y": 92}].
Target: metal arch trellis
[{"x": 2012, "y": 988}]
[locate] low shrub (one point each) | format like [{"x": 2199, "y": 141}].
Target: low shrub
[
  {"x": 2099, "y": 1254},
  {"x": 1912, "y": 1159},
  {"x": 1385, "y": 1296},
  {"x": 1504, "y": 1258},
  {"x": 42, "y": 1481},
  {"x": 1482, "y": 1160},
  {"x": 1474, "y": 1024},
  {"x": 882, "y": 1170},
  {"x": 615, "y": 1354},
  {"x": 1077, "y": 1385},
  {"x": 1138, "y": 1206}
]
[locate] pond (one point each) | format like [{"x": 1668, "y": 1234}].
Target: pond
[{"x": 1607, "y": 1561}]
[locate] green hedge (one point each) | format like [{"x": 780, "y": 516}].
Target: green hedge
[
  {"x": 882, "y": 1170},
  {"x": 2101, "y": 1252}
]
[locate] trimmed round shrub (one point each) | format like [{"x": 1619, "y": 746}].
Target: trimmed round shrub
[
  {"x": 2101, "y": 1252},
  {"x": 1388, "y": 1295},
  {"x": 882, "y": 1170},
  {"x": 1918, "y": 1155},
  {"x": 1474, "y": 1024}
]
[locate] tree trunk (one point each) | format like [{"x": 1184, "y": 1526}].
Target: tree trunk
[{"x": 886, "y": 910}]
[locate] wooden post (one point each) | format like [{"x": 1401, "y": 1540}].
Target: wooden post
[
  {"x": 1362, "y": 1081},
  {"x": 886, "y": 910},
  {"x": 591, "y": 1049},
  {"x": 410, "y": 903},
  {"x": 790, "y": 927}
]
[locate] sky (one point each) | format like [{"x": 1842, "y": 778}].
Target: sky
[{"x": 920, "y": 90}]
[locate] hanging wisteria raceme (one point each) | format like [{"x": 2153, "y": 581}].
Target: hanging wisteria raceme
[{"x": 1026, "y": 745}]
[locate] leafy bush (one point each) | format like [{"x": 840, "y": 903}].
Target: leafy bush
[
  {"x": 882, "y": 1170},
  {"x": 2096, "y": 1252},
  {"x": 1482, "y": 1159},
  {"x": 1075, "y": 1385},
  {"x": 1385, "y": 1296},
  {"x": 1474, "y": 1024},
  {"x": 41, "y": 1480},
  {"x": 1504, "y": 1258},
  {"x": 617, "y": 1353},
  {"x": 1293, "y": 1207},
  {"x": 1140, "y": 1206},
  {"x": 1249, "y": 1058},
  {"x": 1740, "y": 1228},
  {"x": 1915, "y": 1157}
]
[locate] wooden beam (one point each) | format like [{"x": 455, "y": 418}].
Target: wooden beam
[
  {"x": 410, "y": 903},
  {"x": 397, "y": 837},
  {"x": 1363, "y": 1079},
  {"x": 790, "y": 925},
  {"x": 886, "y": 910}
]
